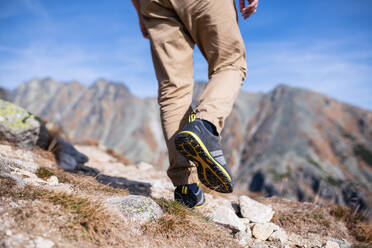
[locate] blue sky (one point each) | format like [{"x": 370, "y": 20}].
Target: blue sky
[{"x": 322, "y": 45}]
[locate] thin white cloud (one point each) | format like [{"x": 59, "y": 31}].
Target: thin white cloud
[
  {"x": 122, "y": 63},
  {"x": 325, "y": 66}
]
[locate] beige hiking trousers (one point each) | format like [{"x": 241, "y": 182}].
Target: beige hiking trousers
[{"x": 175, "y": 26}]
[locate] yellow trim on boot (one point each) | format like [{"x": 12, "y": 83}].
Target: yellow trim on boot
[
  {"x": 199, "y": 206},
  {"x": 192, "y": 117},
  {"x": 206, "y": 150}
]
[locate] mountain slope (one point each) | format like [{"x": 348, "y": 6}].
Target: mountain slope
[
  {"x": 106, "y": 112},
  {"x": 305, "y": 145},
  {"x": 289, "y": 142},
  {"x": 3, "y": 94}
]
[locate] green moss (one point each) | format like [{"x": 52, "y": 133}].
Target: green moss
[
  {"x": 363, "y": 153},
  {"x": 15, "y": 118},
  {"x": 43, "y": 173}
]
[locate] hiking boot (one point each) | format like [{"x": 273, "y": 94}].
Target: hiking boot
[
  {"x": 191, "y": 195},
  {"x": 196, "y": 143}
]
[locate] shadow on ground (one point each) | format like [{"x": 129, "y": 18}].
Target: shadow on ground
[{"x": 134, "y": 187}]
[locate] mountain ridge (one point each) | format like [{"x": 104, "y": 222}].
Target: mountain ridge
[{"x": 289, "y": 142}]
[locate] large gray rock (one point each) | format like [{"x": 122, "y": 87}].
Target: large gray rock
[
  {"x": 23, "y": 129},
  {"x": 255, "y": 211},
  {"x": 18, "y": 126},
  {"x": 140, "y": 208},
  {"x": 226, "y": 216}
]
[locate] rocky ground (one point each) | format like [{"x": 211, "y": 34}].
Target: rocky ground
[
  {"x": 290, "y": 142},
  {"x": 130, "y": 205}
]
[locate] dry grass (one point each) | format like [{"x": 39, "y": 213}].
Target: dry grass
[
  {"x": 90, "y": 142},
  {"x": 119, "y": 157},
  {"x": 84, "y": 184},
  {"x": 182, "y": 227},
  {"x": 304, "y": 219},
  {"x": 47, "y": 155},
  {"x": 328, "y": 221},
  {"x": 356, "y": 224},
  {"x": 77, "y": 221},
  {"x": 73, "y": 218}
]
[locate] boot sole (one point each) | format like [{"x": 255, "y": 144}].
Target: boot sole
[{"x": 210, "y": 172}]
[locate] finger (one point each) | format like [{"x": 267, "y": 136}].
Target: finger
[
  {"x": 251, "y": 6},
  {"x": 248, "y": 13},
  {"x": 253, "y": 2},
  {"x": 249, "y": 10},
  {"x": 241, "y": 5}
]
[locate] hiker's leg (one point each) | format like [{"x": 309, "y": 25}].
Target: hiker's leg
[
  {"x": 213, "y": 26},
  {"x": 172, "y": 53}
]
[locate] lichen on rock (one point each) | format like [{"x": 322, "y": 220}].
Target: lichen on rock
[
  {"x": 18, "y": 126},
  {"x": 140, "y": 208}
]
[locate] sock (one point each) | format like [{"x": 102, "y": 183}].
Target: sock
[{"x": 211, "y": 128}]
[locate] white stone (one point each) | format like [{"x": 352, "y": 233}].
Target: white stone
[
  {"x": 279, "y": 235},
  {"x": 255, "y": 211},
  {"x": 8, "y": 232},
  {"x": 331, "y": 244},
  {"x": 13, "y": 205},
  {"x": 53, "y": 180},
  {"x": 259, "y": 244},
  {"x": 43, "y": 243},
  {"x": 226, "y": 216},
  {"x": 263, "y": 231},
  {"x": 61, "y": 188},
  {"x": 244, "y": 238},
  {"x": 144, "y": 166},
  {"x": 247, "y": 226}
]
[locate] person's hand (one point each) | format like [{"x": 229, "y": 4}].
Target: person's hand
[{"x": 250, "y": 9}]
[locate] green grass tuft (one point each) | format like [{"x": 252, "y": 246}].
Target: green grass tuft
[
  {"x": 173, "y": 207},
  {"x": 44, "y": 173}
]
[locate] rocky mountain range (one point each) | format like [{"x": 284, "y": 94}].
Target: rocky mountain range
[{"x": 289, "y": 142}]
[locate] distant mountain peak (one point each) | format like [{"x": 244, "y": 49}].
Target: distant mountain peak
[{"x": 291, "y": 142}]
